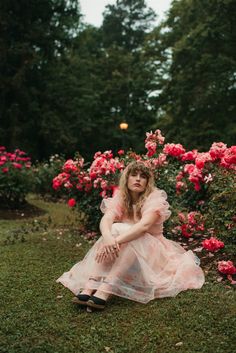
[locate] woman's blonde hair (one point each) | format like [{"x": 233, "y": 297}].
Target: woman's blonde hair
[{"x": 136, "y": 166}]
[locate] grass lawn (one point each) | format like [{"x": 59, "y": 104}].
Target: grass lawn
[{"x": 37, "y": 314}]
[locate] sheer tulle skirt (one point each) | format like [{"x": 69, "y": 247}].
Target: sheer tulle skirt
[{"x": 147, "y": 268}]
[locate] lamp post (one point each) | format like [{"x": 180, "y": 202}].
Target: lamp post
[{"x": 123, "y": 126}]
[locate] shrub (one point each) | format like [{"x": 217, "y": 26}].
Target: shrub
[
  {"x": 196, "y": 183},
  {"x": 43, "y": 174},
  {"x": 15, "y": 177}
]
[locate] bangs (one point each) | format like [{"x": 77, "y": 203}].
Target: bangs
[{"x": 136, "y": 167}]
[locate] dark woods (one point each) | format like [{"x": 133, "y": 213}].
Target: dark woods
[{"x": 65, "y": 86}]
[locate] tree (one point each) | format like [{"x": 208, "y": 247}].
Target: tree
[
  {"x": 199, "y": 93},
  {"x": 34, "y": 33},
  {"x": 128, "y": 77}
]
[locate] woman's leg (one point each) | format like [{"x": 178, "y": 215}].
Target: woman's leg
[{"x": 119, "y": 269}]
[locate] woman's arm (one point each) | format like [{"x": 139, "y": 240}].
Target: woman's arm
[
  {"x": 110, "y": 247},
  {"x": 138, "y": 229},
  {"x": 106, "y": 224}
]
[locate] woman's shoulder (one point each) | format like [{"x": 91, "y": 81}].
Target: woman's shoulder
[
  {"x": 157, "y": 202},
  {"x": 157, "y": 198},
  {"x": 113, "y": 204},
  {"x": 157, "y": 193}
]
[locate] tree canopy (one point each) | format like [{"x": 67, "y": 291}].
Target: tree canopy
[
  {"x": 66, "y": 86},
  {"x": 199, "y": 95}
]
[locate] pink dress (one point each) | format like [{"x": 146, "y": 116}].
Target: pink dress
[{"x": 148, "y": 267}]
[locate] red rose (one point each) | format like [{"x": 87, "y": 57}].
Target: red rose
[
  {"x": 71, "y": 202},
  {"x": 121, "y": 152},
  {"x": 226, "y": 267},
  {"x": 212, "y": 244}
]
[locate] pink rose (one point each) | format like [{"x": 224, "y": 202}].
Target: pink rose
[
  {"x": 180, "y": 186},
  {"x": 151, "y": 147},
  {"x": 174, "y": 150},
  {"x": 181, "y": 216},
  {"x": 121, "y": 152},
  {"x": 186, "y": 230},
  {"x": 189, "y": 168},
  {"x": 217, "y": 150},
  {"x": 70, "y": 166},
  {"x": 17, "y": 165},
  {"x": 189, "y": 156},
  {"x": 71, "y": 202},
  {"x": 56, "y": 184},
  {"x": 226, "y": 267},
  {"x": 202, "y": 158},
  {"x": 212, "y": 244}
]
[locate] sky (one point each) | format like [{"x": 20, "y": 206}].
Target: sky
[{"x": 93, "y": 9}]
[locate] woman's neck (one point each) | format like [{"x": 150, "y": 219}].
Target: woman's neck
[{"x": 134, "y": 197}]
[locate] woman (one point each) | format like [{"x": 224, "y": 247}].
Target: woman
[{"x": 132, "y": 258}]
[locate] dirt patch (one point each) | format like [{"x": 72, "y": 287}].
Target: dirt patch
[{"x": 25, "y": 211}]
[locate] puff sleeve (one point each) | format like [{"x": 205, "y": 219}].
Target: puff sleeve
[
  {"x": 112, "y": 204},
  {"x": 156, "y": 202}
]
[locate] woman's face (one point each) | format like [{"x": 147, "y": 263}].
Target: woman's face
[{"x": 137, "y": 181}]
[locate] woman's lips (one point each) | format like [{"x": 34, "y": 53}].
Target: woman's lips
[{"x": 137, "y": 184}]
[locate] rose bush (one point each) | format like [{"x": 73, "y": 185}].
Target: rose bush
[
  {"x": 15, "y": 180},
  {"x": 191, "y": 179}
]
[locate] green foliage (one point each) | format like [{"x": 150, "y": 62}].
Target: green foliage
[
  {"x": 14, "y": 187},
  {"x": 19, "y": 234},
  {"x": 43, "y": 174},
  {"x": 197, "y": 104},
  {"x": 101, "y": 77},
  {"x": 15, "y": 178},
  {"x": 220, "y": 204},
  {"x": 179, "y": 75},
  {"x": 34, "y": 34},
  {"x": 89, "y": 208}
]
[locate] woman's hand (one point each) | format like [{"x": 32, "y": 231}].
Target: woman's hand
[{"x": 109, "y": 250}]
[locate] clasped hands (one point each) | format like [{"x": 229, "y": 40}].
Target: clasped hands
[{"x": 109, "y": 250}]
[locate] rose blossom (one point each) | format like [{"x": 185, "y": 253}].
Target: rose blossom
[
  {"x": 180, "y": 186},
  {"x": 217, "y": 150},
  {"x": 121, "y": 152},
  {"x": 189, "y": 156},
  {"x": 202, "y": 158},
  {"x": 191, "y": 217},
  {"x": 186, "y": 230},
  {"x": 152, "y": 141},
  {"x": 212, "y": 244},
  {"x": 229, "y": 158},
  {"x": 181, "y": 216},
  {"x": 174, "y": 150},
  {"x": 71, "y": 202},
  {"x": 70, "y": 166},
  {"x": 151, "y": 147},
  {"x": 226, "y": 267},
  {"x": 17, "y": 165}
]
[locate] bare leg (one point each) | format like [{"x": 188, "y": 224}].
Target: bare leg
[
  {"x": 87, "y": 291},
  {"x": 102, "y": 295}
]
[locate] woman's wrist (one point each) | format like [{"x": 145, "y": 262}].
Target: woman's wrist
[
  {"x": 119, "y": 239},
  {"x": 107, "y": 236}
]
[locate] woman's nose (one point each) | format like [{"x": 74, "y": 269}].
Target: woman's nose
[{"x": 138, "y": 176}]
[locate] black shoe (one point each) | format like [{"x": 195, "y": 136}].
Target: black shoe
[
  {"x": 81, "y": 299},
  {"x": 96, "y": 303}
]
